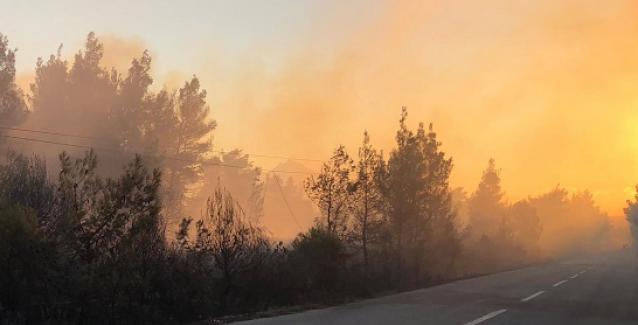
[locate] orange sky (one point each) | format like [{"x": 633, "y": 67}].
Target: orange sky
[{"x": 547, "y": 88}]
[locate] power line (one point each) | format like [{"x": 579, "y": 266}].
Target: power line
[
  {"x": 283, "y": 196},
  {"x": 54, "y": 133},
  {"x": 114, "y": 140},
  {"x": 276, "y": 177},
  {"x": 210, "y": 163}
]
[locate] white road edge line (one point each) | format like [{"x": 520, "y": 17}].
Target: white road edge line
[
  {"x": 486, "y": 317},
  {"x": 574, "y": 276},
  {"x": 583, "y": 271},
  {"x": 559, "y": 283},
  {"x": 533, "y": 296}
]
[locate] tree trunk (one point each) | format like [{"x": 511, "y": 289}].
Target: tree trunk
[
  {"x": 226, "y": 291},
  {"x": 399, "y": 263}
]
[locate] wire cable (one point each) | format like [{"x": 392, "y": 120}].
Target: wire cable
[
  {"x": 60, "y": 134},
  {"x": 283, "y": 196},
  {"x": 210, "y": 163}
]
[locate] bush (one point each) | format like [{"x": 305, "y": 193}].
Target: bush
[{"x": 319, "y": 260}]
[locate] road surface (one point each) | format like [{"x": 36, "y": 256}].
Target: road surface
[{"x": 595, "y": 290}]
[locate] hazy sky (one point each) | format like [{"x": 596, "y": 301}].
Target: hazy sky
[
  {"x": 548, "y": 88},
  {"x": 181, "y": 34}
]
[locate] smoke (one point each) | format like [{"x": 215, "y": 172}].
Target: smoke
[
  {"x": 119, "y": 51},
  {"x": 546, "y": 88}
]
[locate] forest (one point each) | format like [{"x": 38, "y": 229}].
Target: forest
[{"x": 116, "y": 207}]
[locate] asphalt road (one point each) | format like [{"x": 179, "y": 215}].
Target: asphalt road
[{"x": 593, "y": 290}]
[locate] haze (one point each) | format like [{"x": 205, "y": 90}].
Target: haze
[
  {"x": 433, "y": 162},
  {"x": 546, "y": 88}
]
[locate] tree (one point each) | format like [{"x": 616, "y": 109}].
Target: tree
[
  {"x": 526, "y": 226},
  {"x": 235, "y": 244},
  {"x": 49, "y": 92},
  {"x": 92, "y": 92},
  {"x": 319, "y": 258},
  {"x": 416, "y": 188},
  {"x": 631, "y": 213},
  {"x": 592, "y": 232},
  {"x": 13, "y": 109},
  {"x": 25, "y": 182},
  {"x": 557, "y": 212},
  {"x": 459, "y": 205},
  {"x": 404, "y": 191},
  {"x": 111, "y": 231},
  {"x": 76, "y": 194},
  {"x": 438, "y": 236},
  {"x": 188, "y": 146},
  {"x": 367, "y": 199},
  {"x": 130, "y": 114},
  {"x": 497, "y": 238},
  {"x": 243, "y": 179},
  {"x": 486, "y": 206},
  {"x": 144, "y": 121},
  {"x": 20, "y": 260},
  {"x": 78, "y": 100},
  {"x": 331, "y": 191},
  {"x": 120, "y": 116}
]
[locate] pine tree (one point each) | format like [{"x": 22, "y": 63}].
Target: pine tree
[
  {"x": 486, "y": 206},
  {"x": 403, "y": 185},
  {"x": 419, "y": 202},
  {"x": 13, "y": 109},
  {"x": 49, "y": 92},
  {"x": 91, "y": 93},
  {"x": 526, "y": 226},
  {"x": 144, "y": 122},
  {"x": 331, "y": 191},
  {"x": 367, "y": 199},
  {"x": 129, "y": 114},
  {"x": 79, "y": 100},
  {"x": 437, "y": 234},
  {"x": 188, "y": 146},
  {"x": 631, "y": 214},
  {"x": 235, "y": 244},
  {"x": 243, "y": 180}
]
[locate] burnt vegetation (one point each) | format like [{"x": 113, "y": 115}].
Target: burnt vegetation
[{"x": 92, "y": 240}]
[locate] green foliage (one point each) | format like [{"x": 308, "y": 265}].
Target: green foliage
[
  {"x": 486, "y": 206},
  {"x": 415, "y": 186},
  {"x": 561, "y": 236},
  {"x": 501, "y": 235},
  {"x": 122, "y": 117},
  {"x": 631, "y": 213},
  {"x": 226, "y": 244},
  {"x": 319, "y": 255},
  {"x": 244, "y": 180},
  {"x": 368, "y": 206},
  {"x": 189, "y": 145},
  {"x": 526, "y": 227},
  {"x": 18, "y": 249},
  {"x": 13, "y": 109},
  {"x": 26, "y": 183},
  {"x": 331, "y": 191}
]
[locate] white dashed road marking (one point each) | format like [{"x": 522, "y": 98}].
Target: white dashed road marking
[
  {"x": 526, "y": 299},
  {"x": 533, "y": 296},
  {"x": 486, "y": 317}
]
